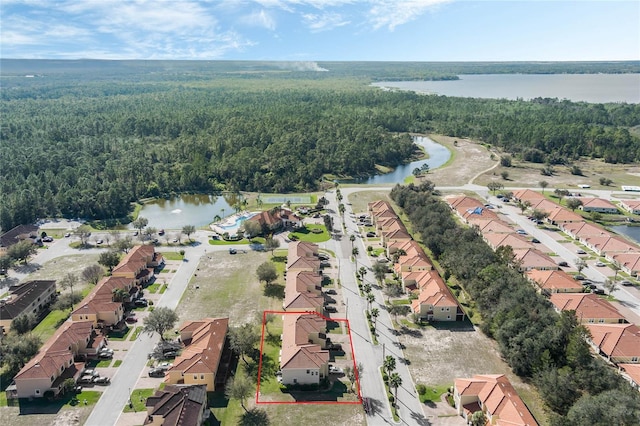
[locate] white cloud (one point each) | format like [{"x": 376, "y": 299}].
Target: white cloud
[
  {"x": 324, "y": 21},
  {"x": 391, "y": 14},
  {"x": 262, "y": 18}
]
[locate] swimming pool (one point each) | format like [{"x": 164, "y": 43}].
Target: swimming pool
[{"x": 232, "y": 224}]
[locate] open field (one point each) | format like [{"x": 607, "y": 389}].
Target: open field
[
  {"x": 440, "y": 354},
  {"x": 523, "y": 174},
  {"x": 57, "y": 268}
]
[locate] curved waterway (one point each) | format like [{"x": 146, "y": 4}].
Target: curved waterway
[{"x": 438, "y": 156}]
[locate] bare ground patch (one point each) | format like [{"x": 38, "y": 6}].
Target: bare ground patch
[
  {"x": 320, "y": 415},
  {"x": 227, "y": 285},
  {"x": 439, "y": 355},
  {"x": 523, "y": 174},
  {"x": 359, "y": 200},
  {"x": 65, "y": 417},
  {"x": 57, "y": 268}
]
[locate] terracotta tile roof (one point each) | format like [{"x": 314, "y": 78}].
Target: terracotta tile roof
[
  {"x": 616, "y": 340},
  {"x": 588, "y": 306},
  {"x": 609, "y": 244},
  {"x": 633, "y": 371},
  {"x": 302, "y": 249},
  {"x": 409, "y": 247},
  {"x": 631, "y": 204},
  {"x": 560, "y": 215},
  {"x": 304, "y": 263},
  {"x": 534, "y": 259},
  {"x": 203, "y": 351},
  {"x": 583, "y": 229},
  {"x": 495, "y": 226},
  {"x": 554, "y": 280},
  {"x": 631, "y": 261},
  {"x": 379, "y": 205},
  {"x": 514, "y": 240},
  {"x": 463, "y": 203},
  {"x": 297, "y": 352},
  {"x": 303, "y": 291},
  {"x": 599, "y": 203},
  {"x": 498, "y": 397},
  {"x": 433, "y": 291},
  {"x": 527, "y": 195},
  {"x": 396, "y": 235}
]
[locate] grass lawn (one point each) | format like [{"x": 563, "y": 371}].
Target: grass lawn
[
  {"x": 136, "y": 333},
  {"x": 117, "y": 363},
  {"x": 434, "y": 393},
  {"x": 50, "y": 324},
  {"x": 153, "y": 288},
  {"x": 307, "y": 234},
  {"x": 171, "y": 255},
  {"x": 138, "y": 398},
  {"x": 228, "y": 243},
  {"x": 163, "y": 288}
]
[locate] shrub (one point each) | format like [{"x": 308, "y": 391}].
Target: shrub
[
  {"x": 422, "y": 389},
  {"x": 391, "y": 399},
  {"x": 385, "y": 377}
]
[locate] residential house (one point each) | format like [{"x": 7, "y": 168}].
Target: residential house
[
  {"x": 101, "y": 305},
  {"x": 579, "y": 230},
  {"x": 589, "y": 308},
  {"x": 523, "y": 195},
  {"x": 561, "y": 215},
  {"x": 54, "y": 363},
  {"x": 608, "y": 246},
  {"x": 494, "y": 226},
  {"x": 435, "y": 301},
  {"x": 629, "y": 262},
  {"x": 632, "y": 373},
  {"x": 513, "y": 240},
  {"x": 302, "y": 249},
  {"x": 552, "y": 281},
  {"x": 619, "y": 343},
  {"x": 599, "y": 205},
  {"x": 412, "y": 262},
  {"x": 380, "y": 209},
  {"x": 495, "y": 396},
  {"x": 409, "y": 247},
  {"x": 199, "y": 362},
  {"x": 304, "y": 358},
  {"x": 395, "y": 236},
  {"x": 413, "y": 280},
  {"x": 528, "y": 259},
  {"x": 479, "y": 212},
  {"x": 17, "y": 234},
  {"x": 26, "y": 298},
  {"x": 268, "y": 220},
  {"x": 178, "y": 406},
  {"x": 303, "y": 292},
  {"x": 632, "y": 206},
  {"x": 139, "y": 264}
]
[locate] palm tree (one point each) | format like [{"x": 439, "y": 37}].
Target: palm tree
[
  {"x": 217, "y": 218},
  {"x": 615, "y": 265},
  {"x": 370, "y": 299},
  {"x": 389, "y": 364},
  {"x": 352, "y": 238},
  {"x": 366, "y": 288},
  {"x": 118, "y": 294},
  {"x": 395, "y": 381},
  {"x": 375, "y": 312},
  {"x": 363, "y": 272}
]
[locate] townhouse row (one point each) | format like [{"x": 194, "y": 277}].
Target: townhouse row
[
  {"x": 304, "y": 357},
  {"x": 83, "y": 335},
  {"x": 612, "y": 336},
  {"x": 434, "y": 300}
]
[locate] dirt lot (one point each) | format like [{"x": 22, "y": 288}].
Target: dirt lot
[
  {"x": 528, "y": 175},
  {"x": 439, "y": 355},
  {"x": 469, "y": 160},
  {"x": 65, "y": 417},
  {"x": 227, "y": 285},
  {"x": 57, "y": 268}
]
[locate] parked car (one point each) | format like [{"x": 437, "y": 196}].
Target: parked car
[
  {"x": 141, "y": 302},
  {"x": 331, "y": 291},
  {"x": 521, "y": 232},
  {"x": 156, "y": 372},
  {"x": 105, "y": 355},
  {"x": 323, "y": 256},
  {"x": 580, "y": 251},
  {"x": 335, "y": 370},
  {"x": 164, "y": 366},
  {"x": 335, "y": 347},
  {"x": 600, "y": 264},
  {"x": 77, "y": 389},
  {"x": 331, "y": 309},
  {"x": 92, "y": 373},
  {"x": 161, "y": 232},
  {"x": 135, "y": 234},
  {"x": 371, "y": 234},
  {"x": 99, "y": 242},
  {"x": 102, "y": 380},
  {"x": 626, "y": 283},
  {"x": 131, "y": 319},
  {"x": 85, "y": 380},
  {"x": 170, "y": 354},
  {"x": 535, "y": 240},
  {"x": 47, "y": 239},
  {"x": 563, "y": 263},
  {"x": 233, "y": 251},
  {"x": 67, "y": 235},
  {"x": 597, "y": 291},
  {"x": 579, "y": 277}
]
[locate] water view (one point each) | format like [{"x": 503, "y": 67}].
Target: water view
[
  {"x": 438, "y": 156},
  {"x": 593, "y": 88},
  {"x": 632, "y": 232},
  {"x": 187, "y": 209}
]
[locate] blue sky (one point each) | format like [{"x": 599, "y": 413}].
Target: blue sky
[{"x": 316, "y": 30}]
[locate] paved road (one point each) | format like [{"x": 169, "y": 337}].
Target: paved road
[{"x": 366, "y": 352}]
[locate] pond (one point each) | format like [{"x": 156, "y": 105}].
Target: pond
[
  {"x": 631, "y": 232},
  {"x": 188, "y": 209},
  {"x": 438, "y": 156}
]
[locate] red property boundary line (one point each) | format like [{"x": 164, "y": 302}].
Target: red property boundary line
[{"x": 346, "y": 321}]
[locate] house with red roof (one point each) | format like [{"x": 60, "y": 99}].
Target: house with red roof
[
  {"x": 629, "y": 262},
  {"x": 199, "y": 363},
  {"x": 54, "y": 363},
  {"x": 495, "y": 396},
  {"x": 528, "y": 259},
  {"x": 579, "y": 230},
  {"x": 589, "y": 308},
  {"x": 303, "y": 292},
  {"x": 102, "y": 305},
  {"x": 619, "y": 343},
  {"x": 632, "y": 373},
  {"x": 304, "y": 358},
  {"x": 139, "y": 264},
  {"x": 599, "y": 205},
  {"x": 178, "y": 406},
  {"x": 513, "y": 240},
  {"x": 552, "y": 281},
  {"x": 632, "y": 206},
  {"x": 529, "y": 195}
]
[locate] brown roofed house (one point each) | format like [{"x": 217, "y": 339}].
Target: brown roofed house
[
  {"x": 304, "y": 359},
  {"x": 552, "y": 281},
  {"x": 619, "y": 343},
  {"x": 178, "y": 406},
  {"x": 589, "y": 308}
]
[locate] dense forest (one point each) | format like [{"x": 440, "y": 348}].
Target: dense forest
[
  {"x": 87, "y": 138},
  {"x": 540, "y": 345}
]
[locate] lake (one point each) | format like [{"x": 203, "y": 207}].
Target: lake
[
  {"x": 187, "y": 209},
  {"x": 632, "y": 232},
  {"x": 438, "y": 156},
  {"x": 592, "y": 88}
]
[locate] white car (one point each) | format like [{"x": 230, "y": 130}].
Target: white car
[
  {"x": 600, "y": 264},
  {"x": 335, "y": 370}
]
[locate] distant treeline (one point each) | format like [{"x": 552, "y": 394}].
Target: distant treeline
[
  {"x": 87, "y": 145},
  {"x": 539, "y": 344}
]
